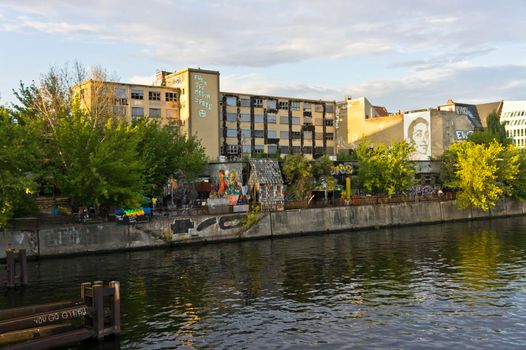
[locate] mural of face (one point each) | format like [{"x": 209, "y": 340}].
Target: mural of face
[{"x": 419, "y": 134}]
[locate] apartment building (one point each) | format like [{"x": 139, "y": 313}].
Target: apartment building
[
  {"x": 255, "y": 124},
  {"x": 513, "y": 116},
  {"x": 131, "y": 101},
  {"x": 231, "y": 125}
]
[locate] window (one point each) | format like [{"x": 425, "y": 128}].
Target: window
[
  {"x": 329, "y": 122},
  {"x": 259, "y": 148},
  {"x": 119, "y": 111},
  {"x": 171, "y": 113},
  {"x": 170, "y": 96},
  {"x": 272, "y": 104},
  {"x": 295, "y": 135},
  {"x": 247, "y": 149},
  {"x": 283, "y": 120},
  {"x": 246, "y": 133},
  {"x": 272, "y": 149},
  {"x": 231, "y": 132},
  {"x": 284, "y": 135},
  {"x": 271, "y": 118},
  {"x": 231, "y": 101},
  {"x": 283, "y": 149},
  {"x": 137, "y": 112},
  {"x": 258, "y": 118},
  {"x": 329, "y": 136},
  {"x": 231, "y": 117},
  {"x": 295, "y": 121},
  {"x": 259, "y": 133},
  {"x": 295, "y": 106},
  {"x": 137, "y": 94},
  {"x": 245, "y": 117},
  {"x": 329, "y": 108},
  {"x": 232, "y": 149},
  {"x": 154, "y": 95},
  {"x": 258, "y": 103},
  {"x": 120, "y": 92},
  {"x": 271, "y": 134},
  {"x": 330, "y": 151},
  {"x": 307, "y": 150},
  {"x": 318, "y": 108},
  {"x": 244, "y": 102},
  {"x": 155, "y": 113},
  {"x": 306, "y": 106},
  {"x": 284, "y": 105},
  {"x": 307, "y": 135},
  {"x": 296, "y": 149}
]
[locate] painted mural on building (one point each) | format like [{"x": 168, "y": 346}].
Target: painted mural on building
[{"x": 417, "y": 131}]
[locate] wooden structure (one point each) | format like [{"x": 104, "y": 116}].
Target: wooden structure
[
  {"x": 12, "y": 257},
  {"x": 62, "y": 323},
  {"x": 266, "y": 184}
]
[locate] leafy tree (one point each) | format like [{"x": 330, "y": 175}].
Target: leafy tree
[
  {"x": 17, "y": 163},
  {"x": 482, "y": 173},
  {"x": 322, "y": 168},
  {"x": 346, "y": 156},
  {"x": 385, "y": 169},
  {"x": 496, "y": 131},
  {"x": 166, "y": 153},
  {"x": 298, "y": 175}
]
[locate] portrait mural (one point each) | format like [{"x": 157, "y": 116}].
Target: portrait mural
[{"x": 417, "y": 131}]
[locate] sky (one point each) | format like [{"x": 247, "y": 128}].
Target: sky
[{"x": 400, "y": 54}]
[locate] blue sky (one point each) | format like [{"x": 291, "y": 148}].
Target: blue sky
[{"x": 401, "y": 54}]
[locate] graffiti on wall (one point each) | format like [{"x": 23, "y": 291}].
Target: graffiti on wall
[
  {"x": 417, "y": 131},
  {"x": 342, "y": 169},
  {"x": 202, "y": 96}
]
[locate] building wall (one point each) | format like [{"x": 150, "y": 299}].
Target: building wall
[
  {"x": 253, "y": 124},
  {"x": 513, "y": 114},
  {"x": 130, "y": 101},
  {"x": 357, "y": 119}
]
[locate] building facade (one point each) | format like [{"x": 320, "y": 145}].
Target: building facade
[
  {"x": 230, "y": 125},
  {"x": 513, "y": 116}
]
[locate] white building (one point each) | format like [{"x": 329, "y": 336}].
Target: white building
[{"x": 513, "y": 114}]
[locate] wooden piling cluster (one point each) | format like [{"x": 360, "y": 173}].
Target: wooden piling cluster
[
  {"x": 57, "y": 324},
  {"x": 12, "y": 257}
]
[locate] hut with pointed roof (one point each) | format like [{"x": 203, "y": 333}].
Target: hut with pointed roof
[{"x": 265, "y": 183}]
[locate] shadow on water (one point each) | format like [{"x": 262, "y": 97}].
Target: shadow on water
[{"x": 454, "y": 284}]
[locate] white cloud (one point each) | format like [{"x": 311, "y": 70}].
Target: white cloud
[{"x": 142, "y": 80}]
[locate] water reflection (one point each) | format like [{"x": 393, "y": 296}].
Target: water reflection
[{"x": 458, "y": 284}]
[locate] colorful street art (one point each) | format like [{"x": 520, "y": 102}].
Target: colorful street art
[{"x": 342, "y": 169}]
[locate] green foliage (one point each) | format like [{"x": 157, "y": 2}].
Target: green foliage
[
  {"x": 252, "y": 217},
  {"x": 385, "y": 169},
  {"x": 322, "y": 168},
  {"x": 298, "y": 175},
  {"x": 494, "y": 132},
  {"x": 17, "y": 164},
  {"x": 165, "y": 153},
  {"x": 346, "y": 156},
  {"x": 482, "y": 173}
]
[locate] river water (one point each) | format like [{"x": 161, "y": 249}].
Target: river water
[{"x": 455, "y": 285}]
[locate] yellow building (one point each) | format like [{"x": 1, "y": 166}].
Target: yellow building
[
  {"x": 431, "y": 130},
  {"x": 232, "y": 125}
]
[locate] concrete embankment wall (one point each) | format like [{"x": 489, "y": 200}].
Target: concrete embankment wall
[{"x": 166, "y": 231}]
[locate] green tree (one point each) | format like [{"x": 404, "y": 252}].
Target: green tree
[
  {"x": 298, "y": 175},
  {"x": 165, "y": 153},
  {"x": 385, "y": 169},
  {"x": 482, "y": 173},
  {"x": 496, "y": 131},
  {"x": 17, "y": 164},
  {"x": 346, "y": 156}
]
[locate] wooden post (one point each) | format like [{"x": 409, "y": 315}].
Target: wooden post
[
  {"x": 98, "y": 305},
  {"x": 11, "y": 269},
  {"x": 116, "y": 305},
  {"x": 22, "y": 256}
]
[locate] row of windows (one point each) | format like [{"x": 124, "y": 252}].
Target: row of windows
[
  {"x": 271, "y": 119},
  {"x": 273, "y": 149},
  {"x": 514, "y": 114},
  {"x": 152, "y": 112},
  {"x": 274, "y": 104},
  {"x": 516, "y": 132},
  {"x": 137, "y": 94},
  {"x": 272, "y": 134},
  {"x": 515, "y": 122}
]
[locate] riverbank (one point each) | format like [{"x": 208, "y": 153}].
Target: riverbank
[{"x": 174, "y": 231}]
